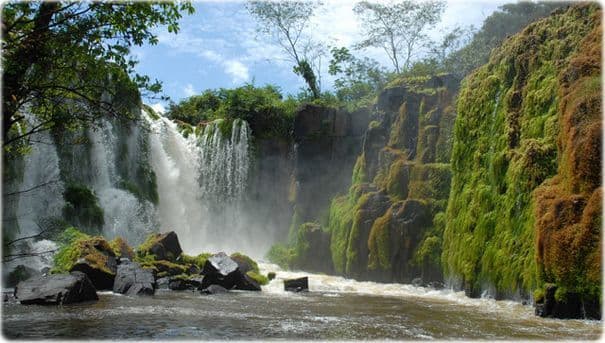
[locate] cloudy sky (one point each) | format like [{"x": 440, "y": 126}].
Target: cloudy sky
[{"x": 218, "y": 46}]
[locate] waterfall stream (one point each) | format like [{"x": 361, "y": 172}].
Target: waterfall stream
[{"x": 202, "y": 180}]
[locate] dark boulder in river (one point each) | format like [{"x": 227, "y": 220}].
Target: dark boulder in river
[
  {"x": 56, "y": 289},
  {"x": 222, "y": 270},
  {"x": 131, "y": 279},
  {"x": 101, "y": 278},
  {"x": 214, "y": 289},
  {"x": 297, "y": 285},
  {"x": 164, "y": 246},
  {"x": 181, "y": 284}
]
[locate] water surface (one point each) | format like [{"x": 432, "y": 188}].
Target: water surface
[{"x": 335, "y": 308}]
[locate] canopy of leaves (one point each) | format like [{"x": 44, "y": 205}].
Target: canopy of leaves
[
  {"x": 264, "y": 108},
  {"x": 399, "y": 28},
  {"x": 508, "y": 20},
  {"x": 358, "y": 80},
  {"x": 285, "y": 22},
  {"x": 68, "y": 63}
]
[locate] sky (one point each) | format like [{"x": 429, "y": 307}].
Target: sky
[{"x": 218, "y": 47}]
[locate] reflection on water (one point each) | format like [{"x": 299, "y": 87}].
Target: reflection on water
[{"x": 335, "y": 308}]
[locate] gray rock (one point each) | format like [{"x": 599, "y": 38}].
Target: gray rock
[
  {"x": 297, "y": 285},
  {"x": 131, "y": 279},
  {"x": 56, "y": 289},
  {"x": 214, "y": 289}
]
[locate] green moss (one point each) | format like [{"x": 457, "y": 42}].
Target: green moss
[
  {"x": 339, "y": 225},
  {"x": 379, "y": 243},
  {"x": 256, "y": 276},
  {"x": 198, "y": 260},
  {"x": 398, "y": 179},
  {"x": 504, "y": 147},
  {"x": 151, "y": 112},
  {"x": 359, "y": 173},
  {"x": 374, "y": 124},
  {"x": 82, "y": 208},
  {"x": 430, "y": 181},
  {"x": 75, "y": 245},
  {"x": 281, "y": 255},
  {"x": 119, "y": 245},
  {"x": 247, "y": 260}
]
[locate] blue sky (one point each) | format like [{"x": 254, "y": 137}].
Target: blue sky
[{"x": 218, "y": 46}]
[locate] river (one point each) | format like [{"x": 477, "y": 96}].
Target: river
[{"x": 334, "y": 308}]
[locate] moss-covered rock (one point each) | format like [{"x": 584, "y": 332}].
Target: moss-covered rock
[
  {"x": 162, "y": 246},
  {"x": 517, "y": 191},
  {"x": 93, "y": 256}
]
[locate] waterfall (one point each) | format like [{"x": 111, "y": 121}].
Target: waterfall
[
  {"x": 37, "y": 200},
  {"x": 203, "y": 181},
  {"x": 124, "y": 214}
]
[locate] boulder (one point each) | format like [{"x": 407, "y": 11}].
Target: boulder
[
  {"x": 96, "y": 259},
  {"x": 214, "y": 289},
  {"x": 246, "y": 283},
  {"x": 101, "y": 278},
  {"x": 164, "y": 246},
  {"x": 131, "y": 279},
  {"x": 162, "y": 283},
  {"x": 244, "y": 263},
  {"x": 56, "y": 289},
  {"x": 181, "y": 284},
  {"x": 222, "y": 270},
  {"x": 297, "y": 285},
  {"x": 271, "y": 276}
]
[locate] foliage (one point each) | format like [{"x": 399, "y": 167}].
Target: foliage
[
  {"x": 281, "y": 255},
  {"x": 397, "y": 27},
  {"x": 285, "y": 22},
  {"x": 359, "y": 80},
  {"x": 508, "y": 20},
  {"x": 82, "y": 208},
  {"x": 67, "y": 62},
  {"x": 265, "y": 110}
]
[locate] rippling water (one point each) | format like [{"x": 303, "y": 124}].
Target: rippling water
[{"x": 335, "y": 308}]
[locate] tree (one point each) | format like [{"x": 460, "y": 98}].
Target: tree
[
  {"x": 397, "y": 27},
  {"x": 67, "y": 63},
  {"x": 507, "y": 20},
  {"x": 359, "y": 80},
  {"x": 285, "y": 22}
]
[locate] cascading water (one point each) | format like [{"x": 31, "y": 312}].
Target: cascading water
[
  {"x": 202, "y": 182},
  {"x": 38, "y": 199},
  {"x": 125, "y": 215}
]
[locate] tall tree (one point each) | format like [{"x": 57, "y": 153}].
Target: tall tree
[
  {"x": 285, "y": 22},
  {"x": 397, "y": 27},
  {"x": 67, "y": 63}
]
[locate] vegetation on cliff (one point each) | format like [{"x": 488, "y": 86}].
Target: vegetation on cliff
[{"x": 513, "y": 132}]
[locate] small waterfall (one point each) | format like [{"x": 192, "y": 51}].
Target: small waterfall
[
  {"x": 38, "y": 198},
  {"x": 202, "y": 181},
  {"x": 124, "y": 214}
]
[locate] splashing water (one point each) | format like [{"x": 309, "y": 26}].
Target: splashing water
[{"x": 202, "y": 181}]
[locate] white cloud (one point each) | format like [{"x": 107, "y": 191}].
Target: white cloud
[
  {"x": 188, "y": 90},
  {"x": 159, "y": 108},
  {"x": 237, "y": 70}
]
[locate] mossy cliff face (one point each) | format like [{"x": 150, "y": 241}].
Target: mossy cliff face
[
  {"x": 399, "y": 183},
  {"x": 524, "y": 206}
]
